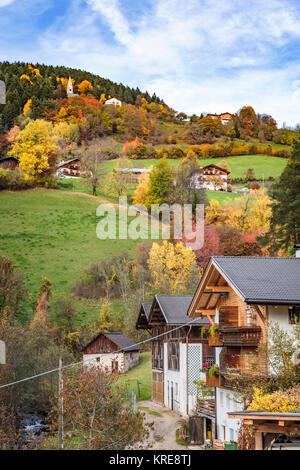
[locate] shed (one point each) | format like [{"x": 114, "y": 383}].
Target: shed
[{"x": 112, "y": 352}]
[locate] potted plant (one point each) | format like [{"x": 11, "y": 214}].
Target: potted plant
[{"x": 214, "y": 339}]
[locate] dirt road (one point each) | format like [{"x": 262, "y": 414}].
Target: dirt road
[{"x": 166, "y": 422}]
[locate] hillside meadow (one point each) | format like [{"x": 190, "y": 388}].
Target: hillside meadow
[
  {"x": 52, "y": 233},
  {"x": 264, "y": 165}
]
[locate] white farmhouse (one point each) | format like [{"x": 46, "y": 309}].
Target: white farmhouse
[
  {"x": 211, "y": 177},
  {"x": 114, "y": 102}
]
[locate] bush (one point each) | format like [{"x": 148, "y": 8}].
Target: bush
[{"x": 15, "y": 180}]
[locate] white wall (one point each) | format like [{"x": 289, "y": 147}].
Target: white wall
[
  {"x": 281, "y": 316},
  {"x": 226, "y": 401},
  {"x": 125, "y": 361},
  {"x": 179, "y": 378}
]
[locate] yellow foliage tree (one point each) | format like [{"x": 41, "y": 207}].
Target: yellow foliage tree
[
  {"x": 25, "y": 77},
  {"x": 104, "y": 317},
  {"x": 84, "y": 87},
  {"x": 103, "y": 98},
  {"x": 261, "y": 210},
  {"x": 171, "y": 266},
  {"x": 277, "y": 402},
  {"x": 36, "y": 147},
  {"x": 213, "y": 212},
  {"x": 27, "y": 107},
  {"x": 141, "y": 192}
]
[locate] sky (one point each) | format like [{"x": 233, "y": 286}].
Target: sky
[{"x": 197, "y": 55}]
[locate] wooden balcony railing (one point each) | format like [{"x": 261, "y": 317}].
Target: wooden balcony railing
[{"x": 241, "y": 336}]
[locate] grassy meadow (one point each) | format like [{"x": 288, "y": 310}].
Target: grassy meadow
[
  {"x": 52, "y": 233},
  {"x": 264, "y": 165},
  {"x": 139, "y": 379}
]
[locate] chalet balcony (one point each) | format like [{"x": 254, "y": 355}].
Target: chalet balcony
[
  {"x": 216, "y": 340},
  {"x": 240, "y": 336}
]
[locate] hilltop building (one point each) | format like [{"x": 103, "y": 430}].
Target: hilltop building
[
  {"x": 225, "y": 118},
  {"x": 70, "y": 89},
  {"x": 114, "y": 102}
]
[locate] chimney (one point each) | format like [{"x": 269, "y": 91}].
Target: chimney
[{"x": 297, "y": 250}]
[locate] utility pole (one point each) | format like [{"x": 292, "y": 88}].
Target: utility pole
[{"x": 60, "y": 406}]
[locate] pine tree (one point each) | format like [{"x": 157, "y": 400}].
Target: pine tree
[{"x": 285, "y": 219}]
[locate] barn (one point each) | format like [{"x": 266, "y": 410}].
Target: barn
[
  {"x": 111, "y": 352},
  {"x": 9, "y": 163}
]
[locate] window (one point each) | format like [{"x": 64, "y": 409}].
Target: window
[
  {"x": 294, "y": 315},
  {"x": 221, "y": 398},
  {"x": 173, "y": 355}
]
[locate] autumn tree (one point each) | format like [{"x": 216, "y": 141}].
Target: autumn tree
[
  {"x": 141, "y": 192},
  {"x": 85, "y": 87},
  {"x": 161, "y": 179},
  {"x": 93, "y": 161},
  {"x": 171, "y": 266},
  {"x": 96, "y": 414},
  {"x": 36, "y": 147},
  {"x": 118, "y": 184}
]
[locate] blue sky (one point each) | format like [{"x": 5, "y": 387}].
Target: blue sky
[{"x": 198, "y": 55}]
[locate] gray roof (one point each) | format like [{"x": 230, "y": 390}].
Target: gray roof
[
  {"x": 122, "y": 341},
  {"x": 175, "y": 308},
  {"x": 263, "y": 280},
  {"x": 61, "y": 164},
  {"x": 147, "y": 309}
]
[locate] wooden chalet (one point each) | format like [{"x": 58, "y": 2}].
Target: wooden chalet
[
  {"x": 242, "y": 295},
  {"x": 9, "y": 163},
  {"x": 112, "y": 352},
  {"x": 177, "y": 356},
  {"x": 69, "y": 169},
  {"x": 200, "y": 178}
]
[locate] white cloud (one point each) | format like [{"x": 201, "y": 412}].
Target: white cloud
[
  {"x": 197, "y": 55},
  {"x": 4, "y": 3}
]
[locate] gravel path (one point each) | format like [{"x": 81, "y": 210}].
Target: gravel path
[{"x": 166, "y": 422}]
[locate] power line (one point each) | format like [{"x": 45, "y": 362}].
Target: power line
[{"x": 89, "y": 360}]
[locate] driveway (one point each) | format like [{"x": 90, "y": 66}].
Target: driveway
[{"x": 166, "y": 422}]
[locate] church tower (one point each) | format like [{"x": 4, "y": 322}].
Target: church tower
[{"x": 70, "y": 90}]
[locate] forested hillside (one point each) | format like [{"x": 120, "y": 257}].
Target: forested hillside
[{"x": 42, "y": 83}]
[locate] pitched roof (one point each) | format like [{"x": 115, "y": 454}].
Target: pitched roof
[
  {"x": 147, "y": 309},
  {"x": 62, "y": 164},
  {"x": 263, "y": 280},
  {"x": 142, "y": 322},
  {"x": 175, "y": 308},
  {"x": 119, "y": 339},
  {"x": 122, "y": 341}
]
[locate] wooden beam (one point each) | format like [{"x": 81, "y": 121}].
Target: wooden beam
[
  {"x": 281, "y": 423},
  {"x": 275, "y": 429},
  {"x": 248, "y": 421},
  {"x": 205, "y": 313},
  {"x": 219, "y": 288},
  {"x": 259, "y": 440}
]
